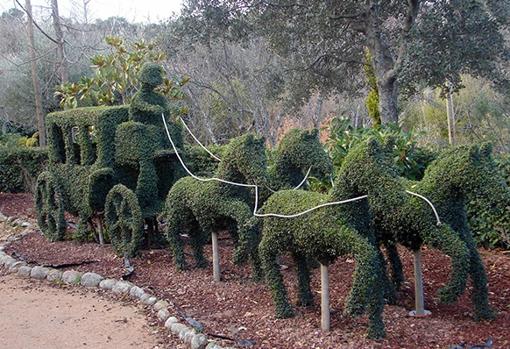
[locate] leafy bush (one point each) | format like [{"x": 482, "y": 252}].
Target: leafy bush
[
  {"x": 200, "y": 162},
  {"x": 19, "y": 168},
  {"x": 116, "y": 77},
  {"x": 491, "y": 229},
  {"x": 410, "y": 160}
]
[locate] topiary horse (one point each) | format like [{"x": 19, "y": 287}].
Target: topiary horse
[
  {"x": 329, "y": 232},
  {"x": 201, "y": 208},
  {"x": 298, "y": 152},
  {"x": 455, "y": 177}
]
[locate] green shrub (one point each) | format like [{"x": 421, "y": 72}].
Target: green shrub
[
  {"x": 410, "y": 160},
  {"x": 200, "y": 162},
  {"x": 330, "y": 232},
  {"x": 491, "y": 229},
  {"x": 19, "y": 168}
]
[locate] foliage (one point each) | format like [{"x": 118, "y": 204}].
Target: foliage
[
  {"x": 49, "y": 204},
  {"x": 491, "y": 228},
  {"x": 200, "y": 208},
  {"x": 81, "y": 150},
  {"x": 410, "y": 159},
  {"x": 324, "y": 43},
  {"x": 480, "y": 113},
  {"x": 298, "y": 152},
  {"x": 456, "y": 37},
  {"x": 115, "y": 79},
  {"x": 200, "y": 162},
  {"x": 328, "y": 233},
  {"x": 124, "y": 219},
  {"x": 92, "y": 149},
  {"x": 20, "y": 166}
]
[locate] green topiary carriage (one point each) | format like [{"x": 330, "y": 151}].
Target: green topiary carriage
[{"x": 115, "y": 160}]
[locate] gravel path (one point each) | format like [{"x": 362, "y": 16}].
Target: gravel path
[{"x": 35, "y": 315}]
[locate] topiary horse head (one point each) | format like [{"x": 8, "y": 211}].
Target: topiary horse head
[
  {"x": 457, "y": 176},
  {"x": 332, "y": 231},
  {"x": 200, "y": 208},
  {"x": 298, "y": 153}
]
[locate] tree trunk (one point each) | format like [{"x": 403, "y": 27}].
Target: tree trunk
[
  {"x": 35, "y": 79},
  {"x": 388, "y": 101},
  {"x": 450, "y": 115},
  {"x": 62, "y": 61},
  {"x": 384, "y": 68}
]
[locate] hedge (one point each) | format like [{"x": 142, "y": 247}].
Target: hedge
[{"x": 19, "y": 168}]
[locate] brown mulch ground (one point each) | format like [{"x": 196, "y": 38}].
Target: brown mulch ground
[
  {"x": 20, "y": 205},
  {"x": 241, "y": 309}
]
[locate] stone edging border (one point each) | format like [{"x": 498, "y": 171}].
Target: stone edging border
[{"x": 188, "y": 335}]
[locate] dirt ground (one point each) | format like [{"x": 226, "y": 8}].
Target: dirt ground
[
  {"x": 242, "y": 310},
  {"x": 35, "y": 315}
]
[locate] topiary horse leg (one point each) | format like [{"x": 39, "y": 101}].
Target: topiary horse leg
[
  {"x": 303, "y": 274},
  {"x": 246, "y": 234},
  {"x": 175, "y": 241},
  {"x": 449, "y": 242},
  {"x": 82, "y": 230},
  {"x": 197, "y": 244},
  {"x": 256, "y": 264},
  {"x": 268, "y": 255},
  {"x": 480, "y": 297},
  {"x": 387, "y": 286},
  {"x": 397, "y": 271},
  {"x": 366, "y": 290}
]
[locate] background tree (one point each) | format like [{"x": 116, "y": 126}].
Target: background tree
[
  {"x": 115, "y": 80},
  {"x": 325, "y": 41}
]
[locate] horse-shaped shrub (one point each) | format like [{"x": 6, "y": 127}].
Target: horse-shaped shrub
[
  {"x": 201, "y": 208},
  {"x": 458, "y": 175},
  {"x": 329, "y": 232},
  {"x": 298, "y": 153}
]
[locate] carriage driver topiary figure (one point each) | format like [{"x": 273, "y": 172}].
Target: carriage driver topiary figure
[{"x": 148, "y": 104}]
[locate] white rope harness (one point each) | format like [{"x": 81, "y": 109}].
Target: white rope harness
[
  {"x": 438, "y": 221},
  {"x": 255, "y": 209},
  {"x": 304, "y": 179},
  {"x": 218, "y": 159},
  {"x": 196, "y": 140}
]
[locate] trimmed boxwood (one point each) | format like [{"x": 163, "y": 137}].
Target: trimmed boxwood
[
  {"x": 458, "y": 175},
  {"x": 327, "y": 233},
  {"x": 200, "y": 208},
  {"x": 19, "y": 168}
]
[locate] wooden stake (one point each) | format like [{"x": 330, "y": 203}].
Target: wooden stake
[
  {"x": 325, "y": 316},
  {"x": 216, "y": 258},
  {"x": 418, "y": 288},
  {"x": 100, "y": 230}
]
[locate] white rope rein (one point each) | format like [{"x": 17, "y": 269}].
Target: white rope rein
[
  {"x": 255, "y": 209},
  {"x": 438, "y": 221},
  {"x": 196, "y": 140},
  {"x": 304, "y": 179},
  {"x": 218, "y": 159}
]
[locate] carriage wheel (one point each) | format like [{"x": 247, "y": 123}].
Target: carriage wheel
[
  {"x": 123, "y": 219},
  {"x": 49, "y": 205}
]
